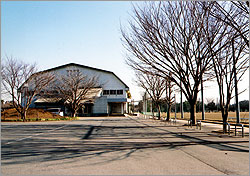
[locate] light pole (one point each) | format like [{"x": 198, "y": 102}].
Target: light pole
[
  {"x": 181, "y": 104},
  {"x": 151, "y": 108},
  {"x": 146, "y": 103},
  {"x": 202, "y": 98},
  {"x": 167, "y": 99},
  {"x": 175, "y": 106}
]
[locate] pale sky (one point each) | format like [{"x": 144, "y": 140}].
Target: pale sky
[{"x": 87, "y": 33}]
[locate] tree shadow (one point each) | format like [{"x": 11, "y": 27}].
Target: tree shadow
[{"x": 87, "y": 142}]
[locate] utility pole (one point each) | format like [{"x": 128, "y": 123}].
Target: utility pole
[
  {"x": 202, "y": 98},
  {"x": 151, "y": 108},
  {"x": 146, "y": 105},
  {"x": 175, "y": 107},
  {"x": 181, "y": 103},
  {"x": 167, "y": 99}
]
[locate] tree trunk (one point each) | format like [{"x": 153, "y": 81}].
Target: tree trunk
[
  {"x": 23, "y": 115},
  {"x": 159, "y": 111},
  {"x": 168, "y": 112},
  {"x": 224, "y": 117},
  {"x": 74, "y": 113},
  {"x": 193, "y": 112}
]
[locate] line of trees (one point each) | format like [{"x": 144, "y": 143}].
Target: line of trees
[
  {"x": 154, "y": 87},
  {"x": 23, "y": 84},
  {"x": 193, "y": 42},
  {"x": 209, "y": 107}
]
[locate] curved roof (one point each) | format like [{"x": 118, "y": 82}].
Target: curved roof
[{"x": 83, "y": 66}]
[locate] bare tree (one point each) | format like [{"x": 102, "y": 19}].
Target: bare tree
[
  {"x": 226, "y": 63},
  {"x": 154, "y": 86},
  {"x": 171, "y": 37},
  {"x": 236, "y": 15},
  {"x": 73, "y": 89},
  {"x": 22, "y": 83}
]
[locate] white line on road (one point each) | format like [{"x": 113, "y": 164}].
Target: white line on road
[
  {"x": 34, "y": 135},
  {"x": 40, "y": 134}
]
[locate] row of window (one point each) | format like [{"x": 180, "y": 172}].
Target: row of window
[
  {"x": 74, "y": 72},
  {"x": 112, "y": 92}
]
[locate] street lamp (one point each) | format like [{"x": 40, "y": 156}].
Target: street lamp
[
  {"x": 202, "y": 97},
  {"x": 175, "y": 106},
  {"x": 181, "y": 103}
]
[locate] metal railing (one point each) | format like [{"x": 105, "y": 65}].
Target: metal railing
[{"x": 241, "y": 126}]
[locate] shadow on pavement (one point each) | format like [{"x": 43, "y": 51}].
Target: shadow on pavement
[{"x": 84, "y": 142}]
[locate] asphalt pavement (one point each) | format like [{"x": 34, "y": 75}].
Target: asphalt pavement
[{"x": 120, "y": 146}]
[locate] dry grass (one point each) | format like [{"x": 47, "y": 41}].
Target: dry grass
[
  {"x": 11, "y": 114},
  {"x": 213, "y": 116}
]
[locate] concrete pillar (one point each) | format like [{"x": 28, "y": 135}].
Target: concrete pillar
[
  {"x": 107, "y": 108},
  {"x": 122, "y": 108}
]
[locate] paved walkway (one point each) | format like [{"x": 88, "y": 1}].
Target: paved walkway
[
  {"x": 120, "y": 146},
  {"x": 206, "y": 126}
]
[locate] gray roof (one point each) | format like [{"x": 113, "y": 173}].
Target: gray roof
[{"x": 79, "y": 65}]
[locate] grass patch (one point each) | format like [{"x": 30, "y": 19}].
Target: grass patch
[{"x": 33, "y": 115}]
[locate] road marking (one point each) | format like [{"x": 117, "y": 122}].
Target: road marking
[
  {"x": 41, "y": 133},
  {"x": 34, "y": 135}
]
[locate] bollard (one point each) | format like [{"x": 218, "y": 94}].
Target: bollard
[
  {"x": 229, "y": 130},
  {"x": 242, "y": 130},
  {"x": 190, "y": 123},
  {"x": 200, "y": 124}
]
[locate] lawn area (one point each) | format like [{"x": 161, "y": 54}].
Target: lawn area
[
  {"x": 213, "y": 116},
  {"x": 32, "y": 115}
]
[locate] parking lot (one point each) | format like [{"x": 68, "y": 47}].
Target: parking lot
[{"x": 120, "y": 145}]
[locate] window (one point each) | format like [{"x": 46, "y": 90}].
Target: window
[
  {"x": 119, "y": 92},
  {"x": 75, "y": 71},
  {"x": 105, "y": 92},
  {"x": 112, "y": 92}
]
